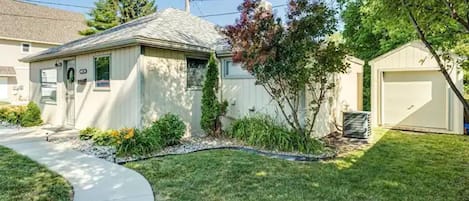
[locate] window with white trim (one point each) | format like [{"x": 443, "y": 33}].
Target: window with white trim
[
  {"x": 102, "y": 69},
  {"x": 25, "y": 47},
  {"x": 48, "y": 85},
  {"x": 196, "y": 73},
  {"x": 235, "y": 70}
]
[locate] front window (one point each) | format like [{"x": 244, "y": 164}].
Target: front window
[
  {"x": 102, "y": 66},
  {"x": 195, "y": 73},
  {"x": 25, "y": 47},
  {"x": 49, "y": 85}
]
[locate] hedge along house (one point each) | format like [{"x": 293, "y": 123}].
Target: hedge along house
[
  {"x": 409, "y": 92},
  {"x": 130, "y": 75}
]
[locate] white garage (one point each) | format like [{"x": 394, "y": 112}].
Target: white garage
[{"x": 409, "y": 92}]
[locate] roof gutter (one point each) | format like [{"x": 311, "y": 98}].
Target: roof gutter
[
  {"x": 120, "y": 43},
  {"x": 94, "y": 48}
]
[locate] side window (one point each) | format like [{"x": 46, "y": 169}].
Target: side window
[
  {"x": 25, "y": 47},
  {"x": 196, "y": 73},
  {"x": 235, "y": 70},
  {"x": 48, "y": 85},
  {"x": 102, "y": 69}
]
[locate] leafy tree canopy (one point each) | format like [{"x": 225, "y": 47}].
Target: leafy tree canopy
[
  {"x": 291, "y": 56},
  {"x": 110, "y": 13}
]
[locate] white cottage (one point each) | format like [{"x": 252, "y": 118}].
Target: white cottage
[{"x": 132, "y": 74}]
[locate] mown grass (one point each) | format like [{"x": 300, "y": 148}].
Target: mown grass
[
  {"x": 23, "y": 179},
  {"x": 398, "y": 167}
]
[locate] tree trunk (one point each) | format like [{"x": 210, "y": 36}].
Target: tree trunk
[{"x": 443, "y": 70}]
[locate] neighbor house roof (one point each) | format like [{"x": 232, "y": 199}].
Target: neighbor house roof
[
  {"x": 169, "y": 29},
  {"x": 30, "y": 22}
]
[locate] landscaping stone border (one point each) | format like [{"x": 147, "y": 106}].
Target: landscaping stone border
[{"x": 289, "y": 157}]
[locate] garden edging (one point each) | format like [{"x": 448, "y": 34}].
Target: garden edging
[{"x": 283, "y": 156}]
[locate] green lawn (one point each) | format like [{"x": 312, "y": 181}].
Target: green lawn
[
  {"x": 23, "y": 179},
  {"x": 398, "y": 167}
]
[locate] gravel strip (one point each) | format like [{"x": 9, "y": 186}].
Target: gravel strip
[{"x": 188, "y": 145}]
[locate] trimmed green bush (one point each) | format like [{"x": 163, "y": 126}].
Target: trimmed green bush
[
  {"x": 263, "y": 131},
  {"x": 32, "y": 116},
  {"x": 171, "y": 128}
]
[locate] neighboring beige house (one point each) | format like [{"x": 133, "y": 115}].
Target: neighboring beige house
[
  {"x": 130, "y": 75},
  {"x": 409, "y": 92},
  {"x": 26, "y": 29}
]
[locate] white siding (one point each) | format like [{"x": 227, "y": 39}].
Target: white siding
[
  {"x": 10, "y": 53},
  {"x": 114, "y": 108},
  {"x": 165, "y": 90},
  {"x": 243, "y": 96}
]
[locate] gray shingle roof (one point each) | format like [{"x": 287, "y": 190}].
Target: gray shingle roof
[
  {"x": 32, "y": 22},
  {"x": 168, "y": 28}
]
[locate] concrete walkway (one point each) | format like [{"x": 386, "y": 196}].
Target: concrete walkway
[{"x": 92, "y": 179}]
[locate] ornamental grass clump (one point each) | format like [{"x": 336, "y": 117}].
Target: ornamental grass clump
[{"x": 263, "y": 131}]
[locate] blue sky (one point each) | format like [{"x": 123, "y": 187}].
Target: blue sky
[{"x": 199, "y": 8}]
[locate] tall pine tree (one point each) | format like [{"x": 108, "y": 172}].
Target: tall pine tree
[
  {"x": 110, "y": 13},
  {"x": 133, "y": 9},
  {"x": 103, "y": 17}
]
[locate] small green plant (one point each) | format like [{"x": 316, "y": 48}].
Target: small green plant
[
  {"x": 263, "y": 131},
  {"x": 106, "y": 138},
  {"x": 171, "y": 128},
  {"x": 138, "y": 142},
  {"x": 32, "y": 116},
  {"x": 12, "y": 114},
  {"x": 88, "y": 133}
]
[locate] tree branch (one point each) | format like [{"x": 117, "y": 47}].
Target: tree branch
[
  {"x": 268, "y": 89},
  {"x": 454, "y": 14},
  {"x": 443, "y": 70}
]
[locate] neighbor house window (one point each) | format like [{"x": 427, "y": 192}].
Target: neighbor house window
[
  {"x": 25, "y": 47},
  {"x": 102, "y": 67},
  {"x": 195, "y": 73},
  {"x": 48, "y": 85},
  {"x": 235, "y": 70}
]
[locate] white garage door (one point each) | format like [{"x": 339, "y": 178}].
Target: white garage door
[
  {"x": 3, "y": 88},
  {"x": 414, "y": 99}
]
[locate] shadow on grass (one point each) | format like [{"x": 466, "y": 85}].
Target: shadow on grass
[{"x": 398, "y": 167}]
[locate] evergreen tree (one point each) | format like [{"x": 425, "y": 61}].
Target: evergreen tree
[
  {"x": 212, "y": 109},
  {"x": 103, "y": 17},
  {"x": 133, "y": 9},
  {"x": 110, "y": 13}
]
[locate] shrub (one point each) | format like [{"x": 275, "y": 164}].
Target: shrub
[
  {"x": 171, "y": 128},
  {"x": 265, "y": 132},
  {"x": 12, "y": 114},
  {"x": 138, "y": 142},
  {"x": 88, "y": 133},
  {"x": 32, "y": 116},
  {"x": 106, "y": 138}
]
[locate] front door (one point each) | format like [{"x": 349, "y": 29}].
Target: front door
[{"x": 69, "y": 80}]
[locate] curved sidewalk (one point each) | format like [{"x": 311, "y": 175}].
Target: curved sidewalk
[{"x": 92, "y": 179}]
